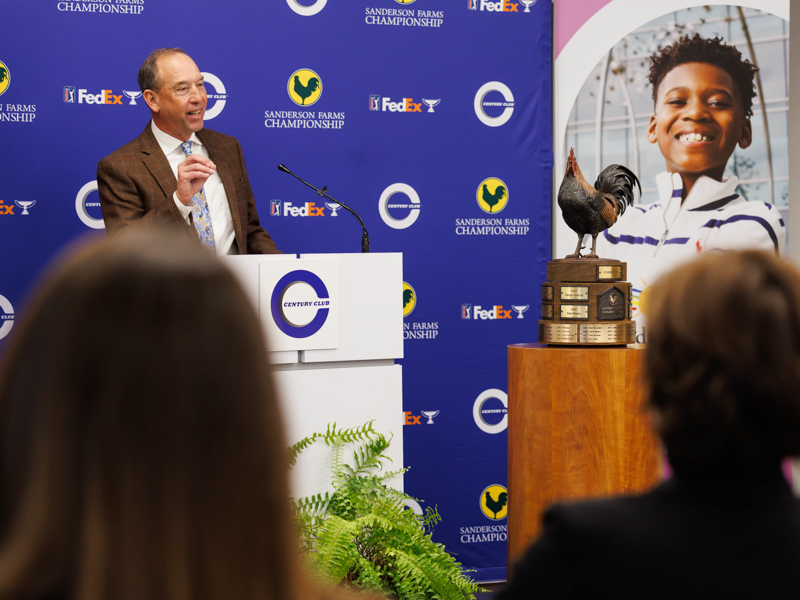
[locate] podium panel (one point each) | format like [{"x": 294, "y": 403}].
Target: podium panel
[
  {"x": 576, "y": 429},
  {"x": 333, "y": 359}
]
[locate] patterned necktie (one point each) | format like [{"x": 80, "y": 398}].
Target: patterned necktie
[{"x": 200, "y": 216}]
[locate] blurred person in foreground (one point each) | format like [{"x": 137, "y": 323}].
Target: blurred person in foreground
[
  {"x": 722, "y": 372},
  {"x": 141, "y": 446}
]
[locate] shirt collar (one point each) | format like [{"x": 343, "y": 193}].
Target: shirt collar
[{"x": 168, "y": 143}]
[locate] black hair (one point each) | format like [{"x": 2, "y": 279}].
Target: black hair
[{"x": 713, "y": 52}]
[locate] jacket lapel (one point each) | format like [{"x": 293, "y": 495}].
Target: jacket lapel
[
  {"x": 157, "y": 163},
  {"x": 222, "y": 160}
]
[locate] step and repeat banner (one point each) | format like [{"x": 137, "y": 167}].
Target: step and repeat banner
[{"x": 431, "y": 118}]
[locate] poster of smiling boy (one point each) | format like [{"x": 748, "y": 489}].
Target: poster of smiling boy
[{"x": 670, "y": 93}]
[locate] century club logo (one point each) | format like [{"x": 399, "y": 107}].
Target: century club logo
[
  {"x": 88, "y": 209},
  {"x": 397, "y": 213},
  {"x": 379, "y": 103},
  {"x": 490, "y": 411},
  {"x": 493, "y": 103},
  {"x": 304, "y": 87},
  {"x": 5, "y": 78},
  {"x": 506, "y": 6},
  {"x": 306, "y": 11},
  {"x": 300, "y": 303},
  {"x": 409, "y": 299},
  {"x": 6, "y": 317},
  {"x": 492, "y": 195},
  {"x": 220, "y": 95},
  {"x": 494, "y": 502}
]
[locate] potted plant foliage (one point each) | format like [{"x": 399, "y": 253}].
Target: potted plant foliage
[{"x": 362, "y": 535}]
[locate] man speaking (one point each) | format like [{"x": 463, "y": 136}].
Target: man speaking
[{"x": 176, "y": 172}]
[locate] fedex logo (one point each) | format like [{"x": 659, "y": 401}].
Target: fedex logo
[
  {"x": 406, "y": 105},
  {"x": 478, "y": 312},
  {"x": 309, "y": 209},
  {"x": 104, "y": 97},
  {"x": 494, "y": 6}
]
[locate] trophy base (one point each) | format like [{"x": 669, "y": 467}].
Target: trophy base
[{"x": 587, "y": 334}]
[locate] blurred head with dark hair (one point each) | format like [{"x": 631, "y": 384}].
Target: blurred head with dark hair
[
  {"x": 723, "y": 361},
  {"x": 141, "y": 445}
]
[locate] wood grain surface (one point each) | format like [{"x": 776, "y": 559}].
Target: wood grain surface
[{"x": 576, "y": 429}]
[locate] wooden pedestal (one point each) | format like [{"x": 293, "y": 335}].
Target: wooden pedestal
[{"x": 576, "y": 429}]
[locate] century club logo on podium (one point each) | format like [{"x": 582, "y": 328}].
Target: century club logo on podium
[
  {"x": 306, "y": 11},
  {"x": 304, "y": 87},
  {"x": 492, "y": 195},
  {"x": 481, "y": 104},
  {"x": 300, "y": 303}
]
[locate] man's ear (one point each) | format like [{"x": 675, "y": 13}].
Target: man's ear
[
  {"x": 152, "y": 100},
  {"x": 747, "y": 134},
  {"x": 651, "y": 130}
]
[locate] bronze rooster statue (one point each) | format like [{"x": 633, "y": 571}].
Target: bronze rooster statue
[{"x": 588, "y": 209}]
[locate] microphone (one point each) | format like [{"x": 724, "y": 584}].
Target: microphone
[{"x": 323, "y": 192}]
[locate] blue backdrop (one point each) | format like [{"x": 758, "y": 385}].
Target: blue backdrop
[{"x": 433, "y": 120}]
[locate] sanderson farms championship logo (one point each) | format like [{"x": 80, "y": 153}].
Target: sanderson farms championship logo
[{"x": 304, "y": 89}]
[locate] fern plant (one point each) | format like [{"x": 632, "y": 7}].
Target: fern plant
[{"x": 361, "y": 535}]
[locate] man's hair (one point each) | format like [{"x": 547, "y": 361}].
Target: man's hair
[
  {"x": 710, "y": 51},
  {"x": 722, "y": 363},
  {"x": 149, "y": 77}
]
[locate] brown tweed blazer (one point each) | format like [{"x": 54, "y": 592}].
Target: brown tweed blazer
[{"x": 136, "y": 185}]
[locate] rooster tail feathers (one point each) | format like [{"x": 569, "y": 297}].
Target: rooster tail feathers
[{"x": 619, "y": 182}]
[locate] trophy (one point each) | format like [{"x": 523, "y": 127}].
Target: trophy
[
  {"x": 527, "y": 4},
  {"x": 25, "y": 205},
  {"x": 431, "y": 103},
  {"x": 132, "y": 96},
  {"x": 333, "y": 207},
  {"x": 586, "y": 300},
  {"x": 429, "y": 414},
  {"x": 520, "y": 309}
]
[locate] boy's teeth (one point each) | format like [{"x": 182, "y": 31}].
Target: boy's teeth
[{"x": 695, "y": 137}]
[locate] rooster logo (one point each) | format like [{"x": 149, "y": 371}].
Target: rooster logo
[
  {"x": 409, "y": 299},
  {"x": 304, "y": 87},
  {"x": 494, "y": 502},
  {"x": 5, "y": 78},
  {"x": 492, "y": 195}
]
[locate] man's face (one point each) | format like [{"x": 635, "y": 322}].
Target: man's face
[
  {"x": 698, "y": 120},
  {"x": 180, "y": 103}
]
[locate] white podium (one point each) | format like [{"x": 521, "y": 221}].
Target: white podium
[{"x": 334, "y": 327}]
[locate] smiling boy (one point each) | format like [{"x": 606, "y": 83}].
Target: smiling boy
[{"x": 703, "y": 95}]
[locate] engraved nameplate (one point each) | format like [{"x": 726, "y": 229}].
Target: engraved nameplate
[
  {"x": 609, "y": 272},
  {"x": 577, "y": 292},
  {"x": 558, "y": 333},
  {"x": 608, "y": 333},
  {"x": 574, "y": 311}
]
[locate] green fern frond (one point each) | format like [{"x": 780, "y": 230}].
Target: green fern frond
[{"x": 362, "y": 535}]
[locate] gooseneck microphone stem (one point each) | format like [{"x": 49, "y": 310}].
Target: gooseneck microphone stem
[{"x": 323, "y": 192}]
